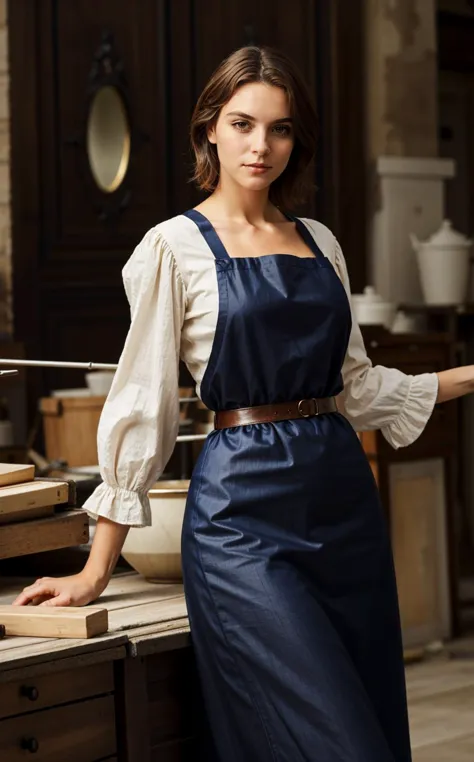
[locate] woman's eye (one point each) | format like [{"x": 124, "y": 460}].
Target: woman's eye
[
  {"x": 241, "y": 125},
  {"x": 282, "y": 129}
]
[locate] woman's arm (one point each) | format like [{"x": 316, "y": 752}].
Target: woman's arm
[
  {"x": 138, "y": 425},
  {"x": 455, "y": 382},
  {"x": 80, "y": 589}
]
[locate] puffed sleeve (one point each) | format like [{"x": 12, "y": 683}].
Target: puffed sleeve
[
  {"x": 376, "y": 397},
  {"x": 139, "y": 422}
]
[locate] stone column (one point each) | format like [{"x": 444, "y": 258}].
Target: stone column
[
  {"x": 406, "y": 179},
  {"x": 401, "y": 80}
]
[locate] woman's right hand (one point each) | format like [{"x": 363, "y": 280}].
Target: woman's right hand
[
  {"x": 80, "y": 589},
  {"x": 75, "y": 590}
]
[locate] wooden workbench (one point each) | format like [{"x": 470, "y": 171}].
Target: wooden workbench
[{"x": 129, "y": 696}]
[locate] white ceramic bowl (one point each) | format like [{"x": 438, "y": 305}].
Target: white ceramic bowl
[
  {"x": 155, "y": 551},
  {"x": 375, "y": 314},
  {"x": 100, "y": 381}
]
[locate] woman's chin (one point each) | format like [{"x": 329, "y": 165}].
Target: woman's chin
[{"x": 255, "y": 183}]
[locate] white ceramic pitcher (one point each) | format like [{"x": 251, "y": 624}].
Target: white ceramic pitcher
[{"x": 444, "y": 262}]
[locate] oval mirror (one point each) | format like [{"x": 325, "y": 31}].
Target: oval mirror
[{"x": 108, "y": 139}]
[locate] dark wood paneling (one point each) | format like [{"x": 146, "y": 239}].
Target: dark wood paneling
[
  {"x": 72, "y": 203},
  {"x": 345, "y": 203},
  {"x": 70, "y": 240},
  {"x": 455, "y": 42},
  {"x": 82, "y": 330}
]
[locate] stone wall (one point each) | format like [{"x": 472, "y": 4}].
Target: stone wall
[
  {"x": 401, "y": 83},
  {"x": 5, "y": 227}
]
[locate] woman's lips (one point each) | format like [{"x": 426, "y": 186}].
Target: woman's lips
[{"x": 257, "y": 169}]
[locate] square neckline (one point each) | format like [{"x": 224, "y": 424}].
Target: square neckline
[{"x": 217, "y": 247}]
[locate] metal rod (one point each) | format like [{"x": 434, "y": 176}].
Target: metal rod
[
  {"x": 54, "y": 364},
  {"x": 191, "y": 437}
]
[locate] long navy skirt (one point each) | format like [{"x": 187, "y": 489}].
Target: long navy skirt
[{"x": 288, "y": 570}]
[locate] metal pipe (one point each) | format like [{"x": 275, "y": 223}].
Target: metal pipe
[
  {"x": 191, "y": 437},
  {"x": 54, "y": 364}
]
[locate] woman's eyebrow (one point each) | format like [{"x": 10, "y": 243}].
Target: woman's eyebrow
[{"x": 252, "y": 118}]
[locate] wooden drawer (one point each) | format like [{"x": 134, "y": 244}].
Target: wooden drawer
[
  {"x": 81, "y": 732},
  {"x": 52, "y": 689}
]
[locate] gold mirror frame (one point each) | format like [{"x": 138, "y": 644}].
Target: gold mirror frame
[{"x": 108, "y": 139}]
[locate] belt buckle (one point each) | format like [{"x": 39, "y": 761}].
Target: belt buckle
[{"x": 314, "y": 412}]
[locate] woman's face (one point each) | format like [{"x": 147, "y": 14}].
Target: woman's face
[{"x": 254, "y": 135}]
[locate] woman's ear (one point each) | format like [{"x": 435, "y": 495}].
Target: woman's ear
[{"x": 211, "y": 134}]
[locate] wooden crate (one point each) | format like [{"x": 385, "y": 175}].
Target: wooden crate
[{"x": 70, "y": 428}]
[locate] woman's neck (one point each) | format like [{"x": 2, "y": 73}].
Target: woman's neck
[{"x": 237, "y": 205}]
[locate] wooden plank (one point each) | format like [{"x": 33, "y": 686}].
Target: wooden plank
[
  {"x": 132, "y": 590},
  {"x": 138, "y": 634},
  {"x": 168, "y": 637},
  {"x": 54, "y": 622},
  {"x": 71, "y": 485},
  {"x": 32, "y": 495},
  {"x": 442, "y": 718},
  {"x": 15, "y": 473},
  {"x": 433, "y": 678},
  {"x": 27, "y": 515},
  {"x": 59, "y": 531},
  {"x": 459, "y": 749},
  {"x": 148, "y": 613},
  {"x": 48, "y": 649},
  {"x": 62, "y": 687}
]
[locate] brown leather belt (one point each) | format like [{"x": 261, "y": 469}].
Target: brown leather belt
[{"x": 282, "y": 411}]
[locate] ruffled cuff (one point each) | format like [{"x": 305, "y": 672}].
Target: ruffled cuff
[
  {"x": 416, "y": 411},
  {"x": 120, "y": 505}
]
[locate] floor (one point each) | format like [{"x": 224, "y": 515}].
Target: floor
[{"x": 441, "y": 705}]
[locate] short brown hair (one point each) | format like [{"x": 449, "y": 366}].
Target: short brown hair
[{"x": 257, "y": 64}]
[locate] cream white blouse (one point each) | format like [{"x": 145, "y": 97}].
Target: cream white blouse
[{"x": 171, "y": 285}]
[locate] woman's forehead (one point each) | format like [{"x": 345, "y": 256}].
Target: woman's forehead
[{"x": 259, "y": 100}]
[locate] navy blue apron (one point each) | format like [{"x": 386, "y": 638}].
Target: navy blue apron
[{"x": 287, "y": 564}]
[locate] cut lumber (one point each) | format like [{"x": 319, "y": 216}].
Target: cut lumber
[
  {"x": 37, "y": 494},
  {"x": 15, "y": 473},
  {"x": 63, "y": 530},
  {"x": 27, "y": 515},
  {"x": 54, "y": 622},
  {"x": 72, "y": 487}
]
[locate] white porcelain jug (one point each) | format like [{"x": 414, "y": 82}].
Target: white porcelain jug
[{"x": 443, "y": 262}]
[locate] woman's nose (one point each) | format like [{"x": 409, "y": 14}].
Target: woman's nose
[{"x": 260, "y": 145}]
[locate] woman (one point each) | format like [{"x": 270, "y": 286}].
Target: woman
[{"x": 288, "y": 571}]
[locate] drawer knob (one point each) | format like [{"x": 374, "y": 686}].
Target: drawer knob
[
  {"x": 30, "y": 692},
  {"x": 30, "y": 744}
]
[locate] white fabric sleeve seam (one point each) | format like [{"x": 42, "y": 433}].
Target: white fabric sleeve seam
[{"x": 175, "y": 264}]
